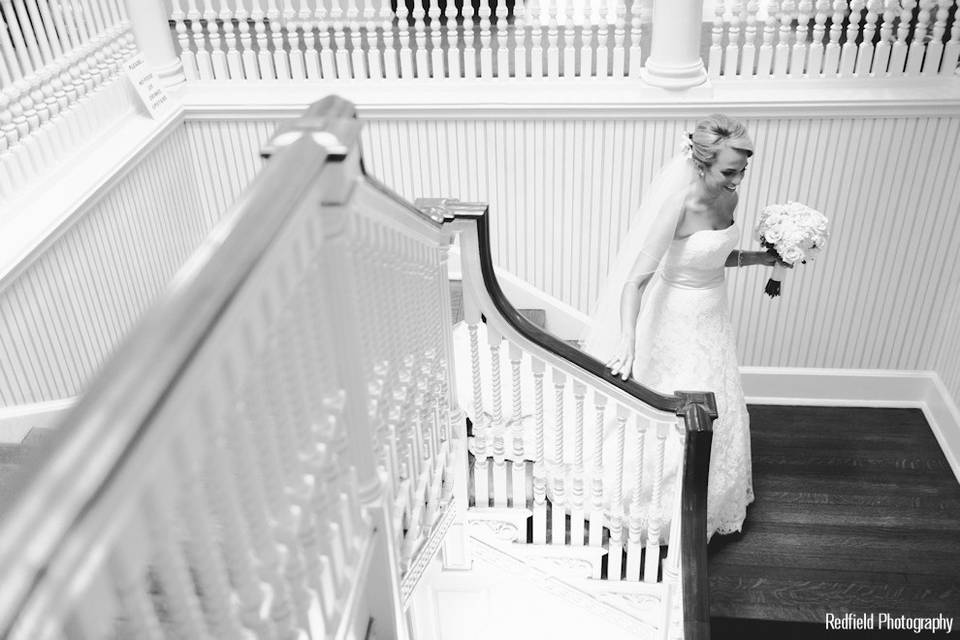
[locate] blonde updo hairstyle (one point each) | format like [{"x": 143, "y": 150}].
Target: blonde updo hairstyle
[{"x": 713, "y": 133}]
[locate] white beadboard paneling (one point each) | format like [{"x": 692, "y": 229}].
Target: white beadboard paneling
[
  {"x": 65, "y": 313},
  {"x": 562, "y": 191}
]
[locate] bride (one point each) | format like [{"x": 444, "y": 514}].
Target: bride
[{"x": 663, "y": 316}]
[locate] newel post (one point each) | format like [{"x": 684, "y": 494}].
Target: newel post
[
  {"x": 674, "y": 61},
  {"x": 152, "y": 31}
]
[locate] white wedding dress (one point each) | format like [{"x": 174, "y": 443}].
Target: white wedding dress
[{"x": 685, "y": 342}]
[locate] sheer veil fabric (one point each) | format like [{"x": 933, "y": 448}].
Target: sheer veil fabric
[{"x": 647, "y": 240}]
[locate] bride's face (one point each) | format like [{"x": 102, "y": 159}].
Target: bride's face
[{"x": 726, "y": 173}]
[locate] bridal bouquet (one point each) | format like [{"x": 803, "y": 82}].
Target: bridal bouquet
[{"x": 794, "y": 233}]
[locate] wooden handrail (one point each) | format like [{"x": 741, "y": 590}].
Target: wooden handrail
[
  {"x": 480, "y": 214},
  {"x": 102, "y": 432},
  {"x": 699, "y": 410}
]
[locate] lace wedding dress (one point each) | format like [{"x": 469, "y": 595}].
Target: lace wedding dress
[{"x": 684, "y": 341}]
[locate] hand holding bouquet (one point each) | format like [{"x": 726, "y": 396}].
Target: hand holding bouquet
[{"x": 793, "y": 232}]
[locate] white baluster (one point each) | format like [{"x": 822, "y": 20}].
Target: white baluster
[
  {"x": 470, "y": 41},
  {"x": 386, "y": 29},
  {"x": 848, "y": 53},
  {"x": 40, "y": 32},
  {"x": 232, "y": 55},
  {"x": 436, "y": 41},
  {"x": 577, "y": 513},
  {"x": 535, "y": 27},
  {"x": 619, "y": 55},
  {"x": 293, "y": 35},
  {"x": 749, "y": 51},
  {"x": 732, "y": 52},
  {"x": 635, "y": 518},
  {"x": 202, "y": 56},
  {"x": 951, "y": 52},
  {"x": 656, "y": 509},
  {"x": 596, "y": 495},
  {"x": 452, "y": 37},
  {"x": 815, "y": 65},
  {"x": 179, "y": 594},
  {"x": 357, "y": 59},
  {"x": 567, "y": 30},
  {"x": 420, "y": 35},
  {"x": 499, "y": 470},
  {"x": 931, "y": 63},
  {"x": 898, "y": 55},
  {"x": 251, "y": 68},
  {"x": 206, "y": 564},
  {"x": 481, "y": 487},
  {"x": 715, "y": 65},
  {"x": 558, "y": 524},
  {"x": 7, "y": 78},
  {"x": 615, "y": 544},
  {"x": 406, "y": 55},
  {"x": 218, "y": 58},
  {"x": 539, "y": 463},
  {"x": 865, "y": 50},
  {"x": 765, "y": 58},
  {"x": 587, "y": 15},
  {"x": 831, "y": 58},
  {"x": 493, "y": 342},
  {"x": 918, "y": 45},
  {"x": 486, "y": 54},
  {"x": 782, "y": 53},
  {"x": 28, "y": 36},
  {"x": 374, "y": 52},
  {"x": 501, "y": 40},
  {"x": 521, "y": 29},
  {"x": 20, "y": 48},
  {"x": 278, "y": 64},
  {"x": 328, "y": 67},
  {"x": 798, "y": 59},
  {"x": 553, "y": 54},
  {"x": 238, "y": 548},
  {"x": 264, "y": 58},
  {"x": 127, "y": 564},
  {"x": 881, "y": 52}
]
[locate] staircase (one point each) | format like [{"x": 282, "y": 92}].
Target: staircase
[{"x": 278, "y": 448}]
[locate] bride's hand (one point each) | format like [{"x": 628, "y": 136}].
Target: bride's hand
[
  {"x": 768, "y": 259},
  {"x": 621, "y": 363}
]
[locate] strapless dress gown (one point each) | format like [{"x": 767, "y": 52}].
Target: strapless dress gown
[{"x": 685, "y": 341}]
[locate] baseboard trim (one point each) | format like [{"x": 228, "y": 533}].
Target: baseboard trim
[
  {"x": 862, "y": 388},
  {"x": 17, "y": 421}
]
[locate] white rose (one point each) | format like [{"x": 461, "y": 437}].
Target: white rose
[{"x": 792, "y": 255}]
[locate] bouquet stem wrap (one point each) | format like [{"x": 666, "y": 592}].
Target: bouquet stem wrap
[{"x": 773, "y": 284}]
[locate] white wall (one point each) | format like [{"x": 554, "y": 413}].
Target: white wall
[
  {"x": 561, "y": 192},
  {"x": 65, "y": 310}
]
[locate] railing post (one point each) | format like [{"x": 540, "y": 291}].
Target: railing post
[
  {"x": 698, "y": 410},
  {"x": 152, "y": 32},
  {"x": 674, "y": 61}
]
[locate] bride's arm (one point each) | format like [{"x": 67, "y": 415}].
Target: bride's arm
[
  {"x": 738, "y": 258},
  {"x": 621, "y": 363},
  {"x": 648, "y": 259}
]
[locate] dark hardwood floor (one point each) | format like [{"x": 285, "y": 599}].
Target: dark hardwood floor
[{"x": 857, "y": 511}]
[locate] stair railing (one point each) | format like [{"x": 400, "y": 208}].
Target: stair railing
[
  {"x": 570, "y": 420},
  {"x": 262, "y": 454}
]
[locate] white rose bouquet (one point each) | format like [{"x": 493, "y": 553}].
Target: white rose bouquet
[{"x": 793, "y": 232}]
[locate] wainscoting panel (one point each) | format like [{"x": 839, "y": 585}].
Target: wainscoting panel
[{"x": 562, "y": 193}]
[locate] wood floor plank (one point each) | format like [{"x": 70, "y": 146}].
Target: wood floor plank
[{"x": 856, "y": 510}]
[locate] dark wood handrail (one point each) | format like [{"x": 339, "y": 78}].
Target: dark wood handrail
[{"x": 699, "y": 411}]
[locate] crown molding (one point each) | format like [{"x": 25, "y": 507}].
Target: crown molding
[{"x": 579, "y": 98}]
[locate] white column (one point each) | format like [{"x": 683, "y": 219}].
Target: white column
[
  {"x": 152, "y": 32},
  {"x": 674, "y": 61}
]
